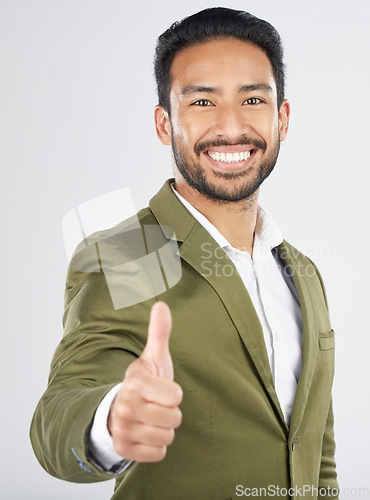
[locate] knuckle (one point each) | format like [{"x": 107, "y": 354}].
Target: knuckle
[
  {"x": 120, "y": 432},
  {"x": 131, "y": 386},
  {"x": 161, "y": 453},
  {"x": 123, "y": 411},
  {"x": 179, "y": 393},
  {"x": 132, "y": 368},
  {"x": 127, "y": 412},
  {"x": 123, "y": 448},
  {"x": 170, "y": 437},
  {"x": 177, "y": 418}
]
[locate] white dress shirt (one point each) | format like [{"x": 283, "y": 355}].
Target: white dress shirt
[{"x": 276, "y": 301}]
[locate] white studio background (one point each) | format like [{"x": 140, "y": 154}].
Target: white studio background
[{"x": 76, "y": 122}]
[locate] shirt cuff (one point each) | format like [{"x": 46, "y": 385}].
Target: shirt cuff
[{"x": 100, "y": 441}]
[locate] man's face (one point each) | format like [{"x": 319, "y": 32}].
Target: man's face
[{"x": 225, "y": 127}]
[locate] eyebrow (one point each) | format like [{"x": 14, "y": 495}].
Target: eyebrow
[
  {"x": 256, "y": 86},
  {"x": 199, "y": 89}
]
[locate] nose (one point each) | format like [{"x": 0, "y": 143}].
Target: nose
[{"x": 231, "y": 122}]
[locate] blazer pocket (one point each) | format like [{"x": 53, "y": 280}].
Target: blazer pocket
[{"x": 326, "y": 340}]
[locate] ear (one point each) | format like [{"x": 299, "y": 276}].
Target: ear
[
  {"x": 162, "y": 125},
  {"x": 284, "y": 115}
]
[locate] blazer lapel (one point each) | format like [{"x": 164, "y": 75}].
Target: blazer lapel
[{"x": 299, "y": 273}]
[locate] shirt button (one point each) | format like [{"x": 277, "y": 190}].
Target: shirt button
[{"x": 287, "y": 408}]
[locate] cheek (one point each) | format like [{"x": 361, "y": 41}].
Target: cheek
[
  {"x": 271, "y": 129},
  {"x": 186, "y": 132}
]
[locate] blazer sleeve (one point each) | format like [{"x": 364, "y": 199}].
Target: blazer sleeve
[
  {"x": 328, "y": 474},
  {"x": 92, "y": 357}
]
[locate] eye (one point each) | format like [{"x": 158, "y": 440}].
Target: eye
[
  {"x": 253, "y": 100},
  {"x": 202, "y": 102}
]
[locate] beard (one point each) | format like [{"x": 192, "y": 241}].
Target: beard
[{"x": 237, "y": 186}]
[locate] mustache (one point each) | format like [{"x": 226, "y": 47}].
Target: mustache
[{"x": 242, "y": 141}]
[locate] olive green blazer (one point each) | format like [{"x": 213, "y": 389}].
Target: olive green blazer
[{"x": 233, "y": 437}]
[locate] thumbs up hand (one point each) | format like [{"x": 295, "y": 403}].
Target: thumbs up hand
[{"x": 145, "y": 413}]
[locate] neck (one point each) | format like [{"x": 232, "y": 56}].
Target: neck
[{"x": 236, "y": 221}]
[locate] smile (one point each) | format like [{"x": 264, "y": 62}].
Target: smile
[{"x": 230, "y": 157}]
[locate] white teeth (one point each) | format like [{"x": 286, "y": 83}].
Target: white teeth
[{"x": 230, "y": 157}]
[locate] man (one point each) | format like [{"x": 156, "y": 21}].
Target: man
[{"x": 244, "y": 328}]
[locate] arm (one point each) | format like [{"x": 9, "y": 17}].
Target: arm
[
  {"x": 100, "y": 443},
  {"x": 328, "y": 474},
  {"x": 92, "y": 358}
]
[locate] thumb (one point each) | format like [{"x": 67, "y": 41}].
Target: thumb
[{"x": 156, "y": 352}]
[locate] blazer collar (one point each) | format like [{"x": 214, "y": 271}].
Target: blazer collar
[{"x": 171, "y": 213}]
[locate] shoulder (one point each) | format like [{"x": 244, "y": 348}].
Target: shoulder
[
  {"x": 102, "y": 248},
  {"x": 123, "y": 265}
]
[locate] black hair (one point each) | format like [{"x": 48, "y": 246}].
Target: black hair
[{"x": 210, "y": 24}]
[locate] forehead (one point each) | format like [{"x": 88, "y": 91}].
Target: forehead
[{"x": 221, "y": 62}]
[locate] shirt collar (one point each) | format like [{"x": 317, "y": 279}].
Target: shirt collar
[{"x": 267, "y": 232}]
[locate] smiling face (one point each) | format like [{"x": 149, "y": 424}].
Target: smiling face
[{"x": 225, "y": 127}]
